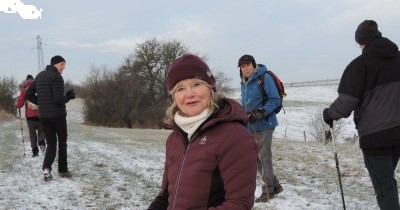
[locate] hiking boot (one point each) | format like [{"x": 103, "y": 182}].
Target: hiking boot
[
  {"x": 47, "y": 174},
  {"x": 35, "y": 152},
  {"x": 67, "y": 174},
  {"x": 278, "y": 189},
  {"x": 265, "y": 197},
  {"x": 42, "y": 145},
  {"x": 43, "y": 148}
]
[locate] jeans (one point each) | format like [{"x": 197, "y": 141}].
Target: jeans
[
  {"x": 264, "y": 160},
  {"x": 56, "y": 131},
  {"x": 381, "y": 167}
]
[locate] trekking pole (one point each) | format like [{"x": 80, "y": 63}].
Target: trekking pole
[
  {"x": 252, "y": 113},
  {"x": 337, "y": 165},
  {"x": 22, "y": 130}
]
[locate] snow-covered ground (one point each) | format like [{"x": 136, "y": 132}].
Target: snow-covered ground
[
  {"x": 303, "y": 101},
  {"x": 117, "y": 168}
]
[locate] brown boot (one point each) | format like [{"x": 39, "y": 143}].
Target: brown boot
[
  {"x": 67, "y": 174},
  {"x": 278, "y": 189},
  {"x": 265, "y": 197}
]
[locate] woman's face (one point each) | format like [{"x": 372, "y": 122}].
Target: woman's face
[{"x": 192, "y": 96}]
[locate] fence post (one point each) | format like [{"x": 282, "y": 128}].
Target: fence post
[
  {"x": 284, "y": 138},
  {"x": 304, "y": 132}
]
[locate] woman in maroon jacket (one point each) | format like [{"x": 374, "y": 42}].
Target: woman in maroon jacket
[
  {"x": 211, "y": 158},
  {"x": 32, "y": 119}
]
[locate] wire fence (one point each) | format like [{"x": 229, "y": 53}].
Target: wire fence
[{"x": 296, "y": 133}]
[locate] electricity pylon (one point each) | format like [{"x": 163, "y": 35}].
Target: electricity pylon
[{"x": 40, "y": 54}]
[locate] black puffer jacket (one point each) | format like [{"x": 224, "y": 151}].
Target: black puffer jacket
[
  {"x": 48, "y": 90},
  {"x": 370, "y": 86}
]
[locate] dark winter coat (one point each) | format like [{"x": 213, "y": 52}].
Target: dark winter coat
[
  {"x": 48, "y": 90},
  {"x": 216, "y": 169},
  {"x": 370, "y": 86},
  {"x": 30, "y": 113}
]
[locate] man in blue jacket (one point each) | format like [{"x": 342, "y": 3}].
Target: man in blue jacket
[
  {"x": 370, "y": 86},
  {"x": 262, "y": 119}
]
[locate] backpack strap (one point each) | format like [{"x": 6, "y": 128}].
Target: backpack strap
[{"x": 261, "y": 85}]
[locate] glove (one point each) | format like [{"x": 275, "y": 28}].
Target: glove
[
  {"x": 254, "y": 116},
  {"x": 70, "y": 94},
  {"x": 327, "y": 119}
]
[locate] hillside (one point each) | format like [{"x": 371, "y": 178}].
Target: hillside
[
  {"x": 303, "y": 101},
  {"x": 121, "y": 169}
]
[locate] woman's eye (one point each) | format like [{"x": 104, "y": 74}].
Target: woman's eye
[
  {"x": 179, "y": 89},
  {"x": 196, "y": 84}
]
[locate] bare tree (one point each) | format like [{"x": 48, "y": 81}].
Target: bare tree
[
  {"x": 223, "y": 82},
  {"x": 151, "y": 60},
  {"x": 319, "y": 127},
  {"x": 101, "y": 97},
  {"x": 8, "y": 88},
  {"x": 135, "y": 95}
]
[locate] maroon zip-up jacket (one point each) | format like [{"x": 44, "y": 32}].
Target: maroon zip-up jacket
[{"x": 216, "y": 169}]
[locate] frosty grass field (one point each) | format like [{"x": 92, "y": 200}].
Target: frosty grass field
[{"x": 116, "y": 168}]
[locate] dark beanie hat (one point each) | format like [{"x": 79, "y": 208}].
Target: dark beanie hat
[
  {"x": 29, "y": 77},
  {"x": 56, "y": 59},
  {"x": 367, "y": 31},
  {"x": 186, "y": 67},
  {"x": 247, "y": 59}
]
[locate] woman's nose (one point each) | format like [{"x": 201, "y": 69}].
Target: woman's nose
[{"x": 190, "y": 92}]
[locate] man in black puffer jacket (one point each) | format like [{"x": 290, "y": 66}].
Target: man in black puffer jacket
[
  {"x": 370, "y": 85},
  {"x": 48, "y": 90}
]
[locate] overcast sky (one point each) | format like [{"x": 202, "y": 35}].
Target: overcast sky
[{"x": 300, "y": 40}]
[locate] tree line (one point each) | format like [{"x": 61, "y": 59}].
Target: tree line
[{"x": 133, "y": 96}]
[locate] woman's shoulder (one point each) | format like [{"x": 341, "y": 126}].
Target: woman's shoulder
[{"x": 230, "y": 111}]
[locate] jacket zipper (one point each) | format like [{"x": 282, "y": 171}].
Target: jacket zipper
[{"x": 180, "y": 170}]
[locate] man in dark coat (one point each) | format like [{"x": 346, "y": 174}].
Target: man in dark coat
[
  {"x": 370, "y": 85},
  {"x": 48, "y": 90}
]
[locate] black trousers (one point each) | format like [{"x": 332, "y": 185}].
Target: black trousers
[
  {"x": 381, "y": 164},
  {"x": 55, "y": 130}
]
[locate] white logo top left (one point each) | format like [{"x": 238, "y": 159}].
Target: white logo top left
[{"x": 25, "y": 11}]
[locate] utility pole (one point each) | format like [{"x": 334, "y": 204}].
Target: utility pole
[{"x": 40, "y": 54}]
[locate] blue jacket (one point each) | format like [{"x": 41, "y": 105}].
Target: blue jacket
[{"x": 252, "y": 95}]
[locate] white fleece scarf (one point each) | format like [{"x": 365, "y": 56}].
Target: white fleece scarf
[{"x": 190, "y": 124}]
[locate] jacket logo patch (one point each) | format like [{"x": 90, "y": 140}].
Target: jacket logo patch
[{"x": 203, "y": 141}]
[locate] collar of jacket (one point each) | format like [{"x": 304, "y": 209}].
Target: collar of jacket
[
  {"x": 51, "y": 68},
  {"x": 261, "y": 69},
  {"x": 381, "y": 48}
]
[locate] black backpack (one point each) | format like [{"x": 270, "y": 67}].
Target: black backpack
[{"x": 278, "y": 85}]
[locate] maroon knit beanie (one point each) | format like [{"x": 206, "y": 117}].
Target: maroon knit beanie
[{"x": 186, "y": 67}]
